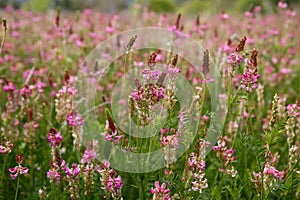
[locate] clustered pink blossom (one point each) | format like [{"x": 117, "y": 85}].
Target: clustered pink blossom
[
  {"x": 73, "y": 171},
  {"x": 110, "y": 182},
  {"x": 88, "y": 168},
  {"x": 146, "y": 95},
  {"x": 5, "y": 147},
  {"x": 56, "y": 163},
  {"x": 75, "y": 119},
  {"x": 294, "y": 110},
  {"x": 249, "y": 80},
  {"x": 114, "y": 185},
  {"x": 234, "y": 59},
  {"x": 160, "y": 192},
  {"x": 270, "y": 174},
  {"x": 265, "y": 179},
  {"x": 72, "y": 175},
  {"x": 272, "y": 171},
  {"x": 9, "y": 87},
  {"x": 17, "y": 170},
  {"x": 64, "y": 99},
  {"x": 89, "y": 156},
  {"x": 52, "y": 174},
  {"x": 171, "y": 142},
  {"x": 196, "y": 163},
  {"x": 174, "y": 70},
  {"x": 25, "y": 91},
  {"x": 250, "y": 77},
  {"x": 54, "y": 137},
  {"x": 142, "y": 94},
  {"x": 226, "y": 155}
]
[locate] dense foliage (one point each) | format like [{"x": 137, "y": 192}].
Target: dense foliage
[{"x": 256, "y": 155}]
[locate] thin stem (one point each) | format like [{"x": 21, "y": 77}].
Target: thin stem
[
  {"x": 3, "y": 170},
  {"x": 125, "y": 61},
  {"x": 141, "y": 190},
  {"x": 16, "y": 195},
  {"x": 52, "y": 190},
  {"x": 229, "y": 103}
]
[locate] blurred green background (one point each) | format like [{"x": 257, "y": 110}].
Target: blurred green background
[{"x": 184, "y": 6}]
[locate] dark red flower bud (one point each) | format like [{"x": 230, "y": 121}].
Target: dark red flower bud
[{"x": 19, "y": 159}]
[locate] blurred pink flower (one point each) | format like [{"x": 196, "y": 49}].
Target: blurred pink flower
[{"x": 75, "y": 119}]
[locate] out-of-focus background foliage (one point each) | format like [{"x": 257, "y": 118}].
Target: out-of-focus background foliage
[{"x": 184, "y": 6}]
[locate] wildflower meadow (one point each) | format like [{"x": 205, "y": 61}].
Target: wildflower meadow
[{"x": 145, "y": 105}]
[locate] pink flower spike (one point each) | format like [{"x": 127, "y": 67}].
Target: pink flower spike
[
  {"x": 75, "y": 119},
  {"x": 88, "y": 156},
  {"x": 9, "y": 87},
  {"x": 54, "y": 137}
]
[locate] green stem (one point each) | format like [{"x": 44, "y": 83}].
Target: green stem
[
  {"x": 125, "y": 61},
  {"x": 16, "y": 195},
  {"x": 141, "y": 190},
  {"x": 229, "y": 102},
  {"x": 3, "y": 170},
  {"x": 52, "y": 190},
  {"x": 203, "y": 98}
]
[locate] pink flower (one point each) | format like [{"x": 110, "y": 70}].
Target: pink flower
[
  {"x": 71, "y": 90},
  {"x": 72, "y": 172},
  {"x": 135, "y": 95},
  {"x": 158, "y": 92},
  {"x": 257, "y": 9},
  {"x": 286, "y": 71},
  {"x": 9, "y": 87},
  {"x": 110, "y": 30},
  {"x": 113, "y": 137},
  {"x": 234, "y": 59},
  {"x": 15, "y": 171},
  {"x": 89, "y": 156},
  {"x": 52, "y": 174},
  {"x": 249, "y": 80},
  {"x": 271, "y": 170},
  {"x": 164, "y": 131},
  {"x": 9, "y": 8},
  {"x": 281, "y": 4},
  {"x": 166, "y": 140},
  {"x": 160, "y": 192},
  {"x": 54, "y": 137},
  {"x": 6, "y": 147},
  {"x": 40, "y": 86},
  {"x": 174, "y": 70},
  {"x": 75, "y": 119},
  {"x": 79, "y": 43},
  {"x": 114, "y": 183},
  {"x": 174, "y": 30},
  {"x": 25, "y": 91},
  {"x": 159, "y": 189},
  {"x": 216, "y": 148},
  {"x": 192, "y": 160},
  {"x": 224, "y": 16}
]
